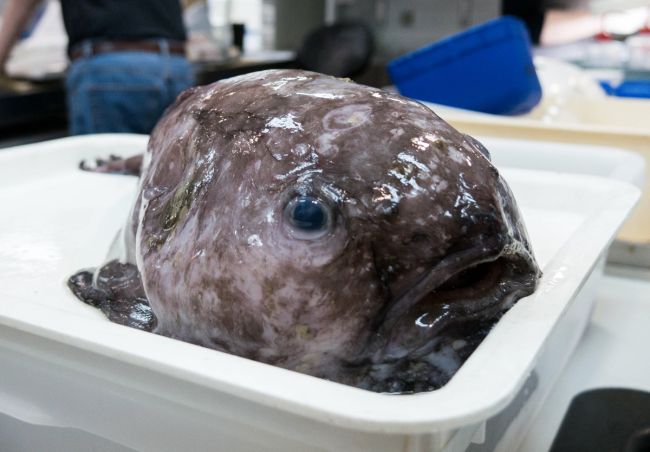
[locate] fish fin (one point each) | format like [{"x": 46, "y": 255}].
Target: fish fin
[
  {"x": 116, "y": 290},
  {"x": 130, "y": 166}
]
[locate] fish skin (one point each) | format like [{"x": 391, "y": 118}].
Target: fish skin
[{"x": 423, "y": 251}]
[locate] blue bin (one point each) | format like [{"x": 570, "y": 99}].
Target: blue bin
[
  {"x": 634, "y": 88},
  {"x": 639, "y": 89},
  {"x": 487, "y": 68}
]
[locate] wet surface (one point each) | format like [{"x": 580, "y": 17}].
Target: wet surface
[{"x": 318, "y": 225}]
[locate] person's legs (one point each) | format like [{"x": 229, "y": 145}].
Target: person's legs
[
  {"x": 180, "y": 76},
  {"x": 177, "y": 73},
  {"x": 77, "y": 101},
  {"x": 123, "y": 92}
]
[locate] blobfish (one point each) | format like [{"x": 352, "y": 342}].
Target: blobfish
[{"x": 318, "y": 225}]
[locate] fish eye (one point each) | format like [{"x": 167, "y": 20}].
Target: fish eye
[{"x": 308, "y": 216}]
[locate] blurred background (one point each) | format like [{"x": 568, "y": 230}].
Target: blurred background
[{"x": 229, "y": 37}]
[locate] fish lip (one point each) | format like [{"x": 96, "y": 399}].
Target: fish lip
[
  {"x": 476, "y": 299},
  {"x": 508, "y": 278},
  {"x": 444, "y": 270},
  {"x": 492, "y": 251}
]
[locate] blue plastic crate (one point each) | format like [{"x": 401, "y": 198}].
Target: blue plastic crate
[{"x": 487, "y": 68}]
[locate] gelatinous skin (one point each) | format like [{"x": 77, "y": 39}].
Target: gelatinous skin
[{"x": 322, "y": 226}]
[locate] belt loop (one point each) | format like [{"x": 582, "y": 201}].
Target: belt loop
[
  {"x": 86, "y": 48},
  {"x": 163, "y": 44}
]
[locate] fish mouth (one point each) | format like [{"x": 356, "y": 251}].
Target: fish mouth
[
  {"x": 472, "y": 285},
  {"x": 447, "y": 274},
  {"x": 426, "y": 334}
]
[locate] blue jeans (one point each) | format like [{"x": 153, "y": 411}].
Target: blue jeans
[{"x": 123, "y": 91}]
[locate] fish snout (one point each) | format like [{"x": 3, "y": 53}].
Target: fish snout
[{"x": 477, "y": 280}]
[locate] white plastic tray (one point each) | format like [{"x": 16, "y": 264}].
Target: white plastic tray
[
  {"x": 603, "y": 161},
  {"x": 65, "y": 365}
]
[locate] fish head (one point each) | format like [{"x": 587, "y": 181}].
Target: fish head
[{"x": 326, "y": 227}]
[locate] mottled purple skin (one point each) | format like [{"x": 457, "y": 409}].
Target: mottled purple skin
[{"x": 426, "y": 248}]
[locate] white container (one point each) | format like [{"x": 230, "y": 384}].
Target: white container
[
  {"x": 65, "y": 365},
  {"x": 609, "y": 162}
]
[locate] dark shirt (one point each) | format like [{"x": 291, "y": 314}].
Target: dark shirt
[{"x": 122, "y": 20}]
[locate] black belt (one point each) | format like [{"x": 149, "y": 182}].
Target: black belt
[{"x": 151, "y": 45}]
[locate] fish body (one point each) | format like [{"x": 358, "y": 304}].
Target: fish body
[{"x": 322, "y": 226}]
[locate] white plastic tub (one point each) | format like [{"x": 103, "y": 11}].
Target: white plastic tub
[
  {"x": 65, "y": 365},
  {"x": 608, "y": 162}
]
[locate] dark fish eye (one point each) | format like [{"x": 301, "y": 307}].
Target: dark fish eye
[{"x": 308, "y": 215}]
